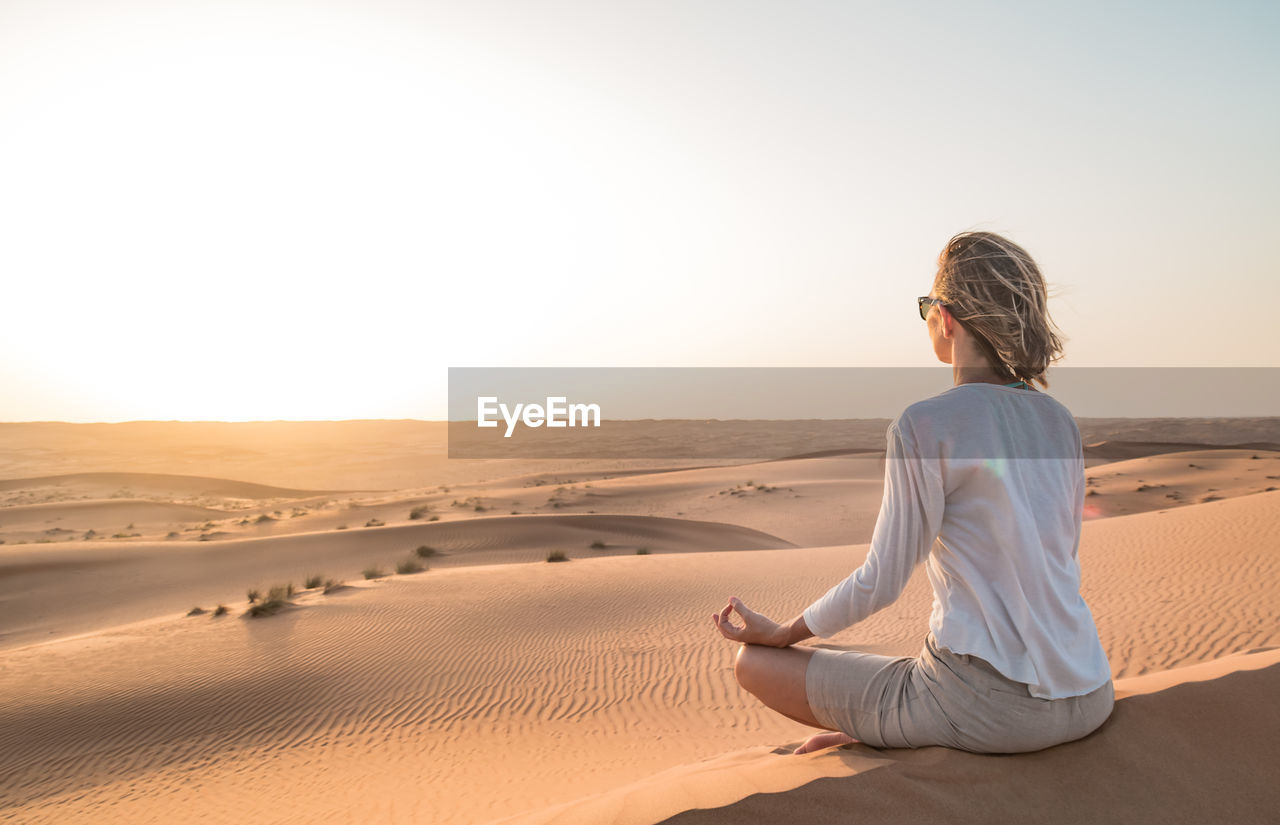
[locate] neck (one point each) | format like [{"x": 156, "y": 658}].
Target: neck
[{"x": 980, "y": 375}]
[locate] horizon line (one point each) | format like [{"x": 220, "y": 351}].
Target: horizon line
[{"x": 473, "y": 421}]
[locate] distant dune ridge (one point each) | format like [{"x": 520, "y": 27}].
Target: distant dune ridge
[
  {"x": 164, "y": 483},
  {"x": 403, "y": 454},
  {"x": 493, "y": 686}
]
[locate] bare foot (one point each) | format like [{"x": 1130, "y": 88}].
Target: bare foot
[{"x": 824, "y": 740}]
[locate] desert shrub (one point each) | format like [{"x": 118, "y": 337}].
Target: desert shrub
[
  {"x": 331, "y": 585},
  {"x": 409, "y": 565},
  {"x": 434, "y": 518},
  {"x": 221, "y": 610},
  {"x": 419, "y": 511},
  {"x": 314, "y": 580},
  {"x": 642, "y": 551},
  {"x": 426, "y": 552},
  {"x": 195, "y": 611},
  {"x": 1092, "y": 492},
  {"x": 597, "y": 545},
  {"x": 556, "y": 555},
  {"x": 253, "y": 595},
  {"x": 173, "y": 534},
  {"x": 373, "y": 573},
  {"x": 341, "y": 527},
  {"x": 266, "y": 607},
  {"x": 373, "y": 522},
  {"x": 262, "y": 519},
  {"x": 480, "y": 508}
]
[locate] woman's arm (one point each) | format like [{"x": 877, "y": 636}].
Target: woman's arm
[
  {"x": 793, "y": 631},
  {"x": 909, "y": 521}
]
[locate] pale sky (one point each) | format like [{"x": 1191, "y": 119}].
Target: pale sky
[{"x": 303, "y": 210}]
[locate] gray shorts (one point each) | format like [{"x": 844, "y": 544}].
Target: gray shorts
[{"x": 943, "y": 698}]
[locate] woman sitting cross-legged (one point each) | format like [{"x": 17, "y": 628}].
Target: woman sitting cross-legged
[{"x": 984, "y": 484}]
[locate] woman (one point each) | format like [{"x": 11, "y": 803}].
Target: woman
[{"x": 984, "y": 483}]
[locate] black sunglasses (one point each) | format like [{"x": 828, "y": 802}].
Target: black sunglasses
[{"x": 926, "y": 302}]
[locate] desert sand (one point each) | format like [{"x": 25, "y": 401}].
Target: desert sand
[{"x": 495, "y": 686}]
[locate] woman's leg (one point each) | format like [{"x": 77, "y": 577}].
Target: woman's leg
[{"x": 776, "y": 676}]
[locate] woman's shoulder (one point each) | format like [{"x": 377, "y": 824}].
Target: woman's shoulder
[
  {"x": 979, "y": 413},
  {"x": 950, "y": 405},
  {"x": 984, "y": 397}
]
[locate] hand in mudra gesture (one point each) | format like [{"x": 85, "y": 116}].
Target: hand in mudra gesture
[{"x": 756, "y": 628}]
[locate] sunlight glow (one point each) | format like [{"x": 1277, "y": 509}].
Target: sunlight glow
[{"x": 274, "y": 210}]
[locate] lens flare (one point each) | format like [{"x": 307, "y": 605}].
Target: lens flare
[{"x": 999, "y": 467}]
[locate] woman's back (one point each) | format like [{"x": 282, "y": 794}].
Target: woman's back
[
  {"x": 1004, "y": 568},
  {"x": 985, "y": 484}
]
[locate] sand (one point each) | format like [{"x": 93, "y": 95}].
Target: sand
[{"x": 495, "y": 686}]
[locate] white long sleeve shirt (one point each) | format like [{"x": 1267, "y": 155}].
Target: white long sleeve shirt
[{"x": 985, "y": 484}]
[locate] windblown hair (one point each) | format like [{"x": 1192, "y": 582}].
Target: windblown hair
[{"x": 993, "y": 287}]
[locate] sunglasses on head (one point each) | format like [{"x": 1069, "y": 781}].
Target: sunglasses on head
[{"x": 926, "y": 303}]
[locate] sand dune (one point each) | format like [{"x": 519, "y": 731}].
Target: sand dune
[
  {"x": 1118, "y": 450},
  {"x": 1170, "y": 480},
  {"x": 326, "y": 455},
  {"x": 799, "y": 502},
  {"x": 807, "y": 501},
  {"x": 472, "y": 693},
  {"x": 1188, "y": 712},
  {"x": 399, "y": 455},
  {"x": 141, "y": 484},
  {"x": 815, "y": 501},
  {"x": 75, "y": 519},
  {"x": 496, "y": 685},
  {"x": 51, "y": 591}
]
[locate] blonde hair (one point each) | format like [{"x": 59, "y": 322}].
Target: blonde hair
[{"x": 993, "y": 287}]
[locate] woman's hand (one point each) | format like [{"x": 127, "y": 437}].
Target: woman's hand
[{"x": 756, "y": 628}]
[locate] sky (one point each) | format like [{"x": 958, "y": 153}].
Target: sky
[{"x": 312, "y": 210}]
